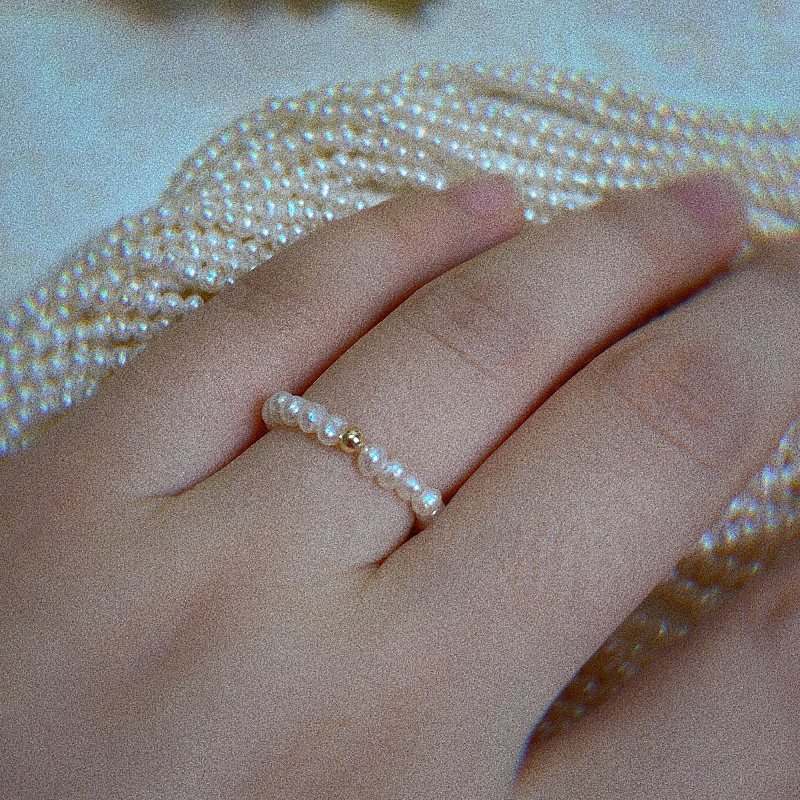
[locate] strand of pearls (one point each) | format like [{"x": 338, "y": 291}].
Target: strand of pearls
[
  {"x": 372, "y": 460},
  {"x": 567, "y": 137}
]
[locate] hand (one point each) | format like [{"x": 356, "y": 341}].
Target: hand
[{"x": 194, "y": 609}]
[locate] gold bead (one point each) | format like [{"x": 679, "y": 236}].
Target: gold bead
[{"x": 352, "y": 440}]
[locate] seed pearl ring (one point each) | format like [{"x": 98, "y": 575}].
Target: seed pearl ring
[{"x": 372, "y": 460}]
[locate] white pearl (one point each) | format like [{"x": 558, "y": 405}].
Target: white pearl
[
  {"x": 328, "y": 433},
  {"x": 121, "y": 330},
  {"x": 290, "y": 411},
  {"x": 372, "y": 460},
  {"x": 311, "y": 417},
  {"x": 149, "y": 304},
  {"x": 391, "y": 475},
  {"x": 271, "y": 412},
  {"x": 427, "y": 503},
  {"x": 408, "y": 486},
  {"x": 172, "y": 305}
]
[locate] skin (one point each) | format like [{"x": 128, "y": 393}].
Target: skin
[{"x": 192, "y": 608}]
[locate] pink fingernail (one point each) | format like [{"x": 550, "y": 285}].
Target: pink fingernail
[
  {"x": 713, "y": 199},
  {"x": 484, "y": 195}
]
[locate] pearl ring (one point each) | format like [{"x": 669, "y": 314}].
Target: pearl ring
[{"x": 372, "y": 460}]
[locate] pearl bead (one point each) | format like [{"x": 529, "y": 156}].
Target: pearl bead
[
  {"x": 408, "y": 486},
  {"x": 172, "y": 305},
  {"x": 427, "y": 503},
  {"x": 331, "y": 429},
  {"x": 391, "y": 475},
  {"x": 271, "y": 411},
  {"x": 372, "y": 460},
  {"x": 311, "y": 416},
  {"x": 290, "y": 411}
]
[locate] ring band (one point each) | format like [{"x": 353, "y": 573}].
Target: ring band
[{"x": 372, "y": 460}]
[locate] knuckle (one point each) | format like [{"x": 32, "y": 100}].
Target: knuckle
[
  {"x": 684, "y": 393},
  {"x": 482, "y": 323},
  {"x": 280, "y": 308},
  {"x": 628, "y": 232},
  {"x": 398, "y": 230}
]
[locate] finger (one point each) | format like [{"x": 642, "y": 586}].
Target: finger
[
  {"x": 717, "y": 716},
  {"x": 564, "y": 530},
  {"x": 192, "y": 401},
  {"x": 448, "y": 375}
]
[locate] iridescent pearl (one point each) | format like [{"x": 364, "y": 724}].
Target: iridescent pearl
[
  {"x": 149, "y": 304},
  {"x": 408, "y": 486},
  {"x": 392, "y": 474},
  {"x": 271, "y": 410},
  {"x": 172, "y": 305},
  {"x": 332, "y": 428},
  {"x": 372, "y": 460},
  {"x": 311, "y": 416},
  {"x": 290, "y": 411},
  {"x": 427, "y": 503}
]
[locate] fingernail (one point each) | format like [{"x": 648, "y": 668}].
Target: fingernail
[
  {"x": 713, "y": 199},
  {"x": 484, "y": 195}
]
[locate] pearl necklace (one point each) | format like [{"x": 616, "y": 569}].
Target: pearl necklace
[{"x": 566, "y": 137}]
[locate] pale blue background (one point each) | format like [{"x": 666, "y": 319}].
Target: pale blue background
[{"x": 99, "y": 107}]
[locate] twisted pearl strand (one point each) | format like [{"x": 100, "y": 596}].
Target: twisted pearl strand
[
  {"x": 567, "y": 138},
  {"x": 372, "y": 460}
]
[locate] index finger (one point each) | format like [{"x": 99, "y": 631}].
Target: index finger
[{"x": 192, "y": 401}]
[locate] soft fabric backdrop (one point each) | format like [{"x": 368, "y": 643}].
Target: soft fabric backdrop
[{"x": 102, "y": 100}]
